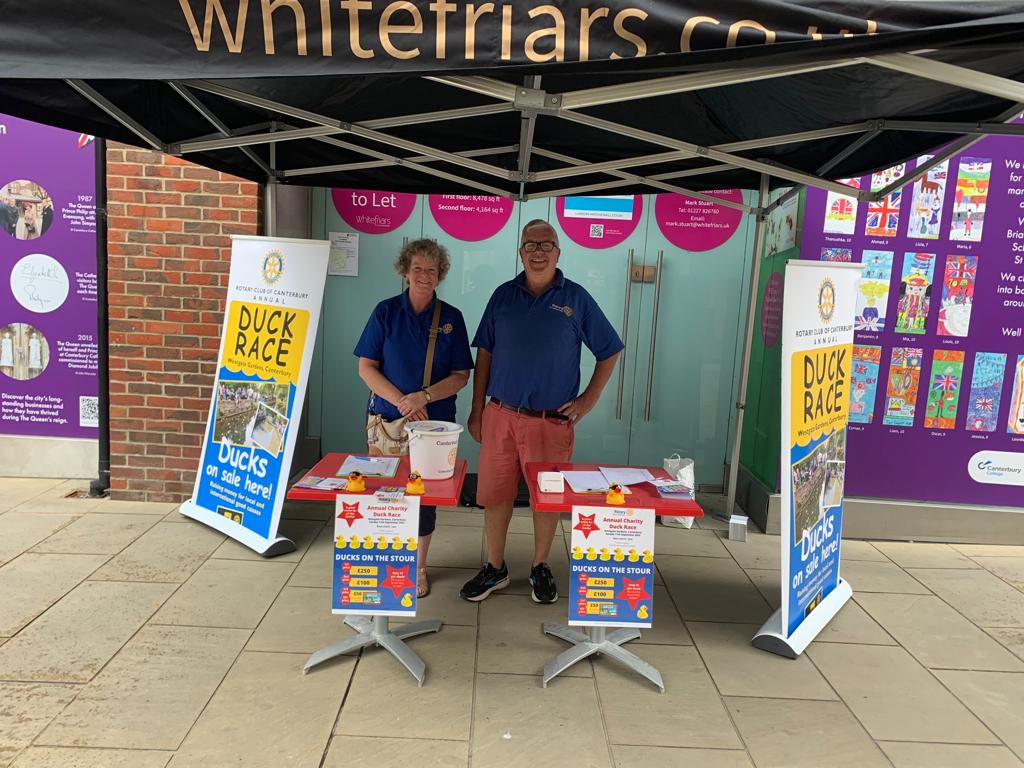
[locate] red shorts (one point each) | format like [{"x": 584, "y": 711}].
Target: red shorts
[{"x": 507, "y": 442}]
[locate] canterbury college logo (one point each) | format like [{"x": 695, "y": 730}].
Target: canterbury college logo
[
  {"x": 273, "y": 267},
  {"x": 826, "y": 300}
]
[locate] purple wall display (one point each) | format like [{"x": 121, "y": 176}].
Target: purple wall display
[
  {"x": 48, "y": 348},
  {"x": 941, "y": 308}
]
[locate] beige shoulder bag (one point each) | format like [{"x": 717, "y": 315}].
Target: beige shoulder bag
[{"x": 389, "y": 438}]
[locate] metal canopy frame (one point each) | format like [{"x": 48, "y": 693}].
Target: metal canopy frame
[{"x": 530, "y": 102}]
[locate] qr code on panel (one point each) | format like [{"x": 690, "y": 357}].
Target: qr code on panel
[
  {"x": 597, "y": 230},
  {"x": 88, "y": 412}
]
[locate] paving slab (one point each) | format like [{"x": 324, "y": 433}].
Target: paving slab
[
  {"x": 905, "y": 754},
  {"x": 20, "y": 531},
  {"x": 983, "y": 598},
  {"x": 32, "y": 583},
  {"x": 25, "y": 710},
  {"x": 168, "y": 552},
  {"x": 712, "y": 589},
  {"x": 73, "y": 757},
  {"x": 347, "y": 751},
  {"x": 97, "y": 534},
  {"x": 995, "y": 697}
]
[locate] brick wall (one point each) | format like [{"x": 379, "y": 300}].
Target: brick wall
[{"x": 169, "y": 252}]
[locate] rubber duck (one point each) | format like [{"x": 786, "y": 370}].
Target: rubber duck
[
  {"x": 577, "y": 553},
  {"x": 648, "y": 557},
  {"x": 353, "y": 542},
  {"x": 341, "y": 542},
  {"x": 615, "y": 496},
  {"x": 605, "y": 554},
  {"x": 633, "y": 556},
  {"x": 396, "y": 542},
  {"x": 407, "y": 600},
  {"x": 617, "y": 556},
  {"x": 642, "y": 613},
  {"x": 368, "y": 542},
  {"x": 415, "y": 485},
  {"x": 382, "y": 542},
  {"x": 591, "y": 554},
  {"x": 356, "y": 483},
  {"x": 411, "y": 544}
]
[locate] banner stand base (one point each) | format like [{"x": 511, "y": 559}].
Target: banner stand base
[
  {"x": 771, "y": 636},
  {"x": 279, "y": 545}
]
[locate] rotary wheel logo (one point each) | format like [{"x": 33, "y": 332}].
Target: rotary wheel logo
[
  {"x": 447, "y": 328},
  {"x": 273, "y": 267},
  {"x": 567, "y": 311},
  {"x": 826, "y": 301}
]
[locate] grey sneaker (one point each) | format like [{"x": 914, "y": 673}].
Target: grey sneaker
[
  {"x": 486, "y": 581},
  {"x": 543, "y": 583}
]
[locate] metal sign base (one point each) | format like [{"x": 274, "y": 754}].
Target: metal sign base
[
  {"x": 376, "y": 631},
  {"x": 597, "y": 640},
  {"x": 772, "y": 638},
  {"x": 279, "y": 545}
]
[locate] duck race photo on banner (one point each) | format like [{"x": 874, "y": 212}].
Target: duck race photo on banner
[{"x": 275, "y": 290}]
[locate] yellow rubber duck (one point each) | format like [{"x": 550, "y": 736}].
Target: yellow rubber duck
[
  {"x": 356, "y": 483},
  {"x": 618, "y": 557},
  {"x": 407, "y": 600},
  {"x": 396, "y": 542},
  {"x": 591, "y": 554},
  {"x": 605, "y": 554},
  {"x": 382, "y": 542},
  {"x": 415, "y": 485},
  {"x": 648, "y": 557},
  {"x": 642, "y": 613},
  {"x": 615, "y": 496},
  {"x": 411, "y": 545},
  {"x": 577, "y": 553},
  {"x": 353, "y": 542},
  {"x": 368, "y": 542},
  {"x": 633, "y": 556},
  {"x": 341, "y": 542}
]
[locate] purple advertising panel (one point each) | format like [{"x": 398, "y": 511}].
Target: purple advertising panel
[
  {"x": 48, "y": 350},
  {"x": 940, "y": 324}
]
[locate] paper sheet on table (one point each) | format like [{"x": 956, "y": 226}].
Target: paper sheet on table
[
  {"x": 625, "y": 475},
  {"x": 371, "y": 466},
  {"x": 587, "y": 481}
]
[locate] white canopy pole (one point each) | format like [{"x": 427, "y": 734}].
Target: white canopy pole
[{"x": 741, "y": 394}]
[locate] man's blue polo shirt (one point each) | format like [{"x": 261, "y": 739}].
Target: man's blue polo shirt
[
  {"x": 397, "y": 338},
  {"x": 535, "y": 342}
]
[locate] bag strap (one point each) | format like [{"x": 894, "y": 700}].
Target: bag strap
[{"x": 428, "y": 366}]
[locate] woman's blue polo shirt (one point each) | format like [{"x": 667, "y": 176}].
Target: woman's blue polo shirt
[
  {"x": 535, "y": 342},
  {"x": 396, "y": 337}
]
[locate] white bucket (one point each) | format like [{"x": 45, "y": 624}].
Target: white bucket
[{"x": 433, "y": 447}]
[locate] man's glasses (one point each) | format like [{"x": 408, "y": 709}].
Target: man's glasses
[{"x": 539, "y": 245}]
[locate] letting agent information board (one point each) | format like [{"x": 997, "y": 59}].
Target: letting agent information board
[{"x": 611, "y": 565}]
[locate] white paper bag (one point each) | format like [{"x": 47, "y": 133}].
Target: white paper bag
[{"x": 682, "y": 470}]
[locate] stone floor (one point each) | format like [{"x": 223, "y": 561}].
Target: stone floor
[{"x": 131, "y": 636}]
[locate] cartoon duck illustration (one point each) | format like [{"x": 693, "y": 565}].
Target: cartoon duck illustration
[
  {"x": 415, "y": 485},
  {"x": 368, "y": 542},
  {"x": 396, "y": 542},
  {"x": 615, "y": 495},
  {"x": 643, "y": 613},
  {"x": 591, "y": 554},
  {"x": 341, "y": 542},
  {"x": 577, "y": 553},
  {"x": 356, "y": 483},
  {"x": 411, "y": 544},
  {"x": 407, "y": 600},
  {"x": 353, "y": 541},
  {"x": 633, "y": 556},
  {"x": 648, "y": 557},
  {"x": 382, "y": 542},
  {"x": 617, "y": 556},
  {"x": 605, "y": 554}
]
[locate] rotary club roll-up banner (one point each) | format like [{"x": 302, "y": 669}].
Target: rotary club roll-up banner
[
  {"x": 275, "y": 290},
  {"x": 817, "y": 359}
]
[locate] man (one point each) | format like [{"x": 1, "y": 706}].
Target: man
[{"x": 528, "y": 363}]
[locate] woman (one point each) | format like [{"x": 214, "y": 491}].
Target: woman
[{"x": 393, "y": 361}]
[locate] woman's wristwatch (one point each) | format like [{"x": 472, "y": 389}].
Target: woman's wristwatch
[{"x": 427, "y": 393}]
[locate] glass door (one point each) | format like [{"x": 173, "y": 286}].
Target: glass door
[{"x": 688, "y": 335}]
